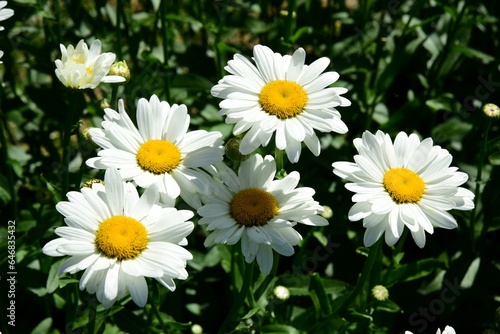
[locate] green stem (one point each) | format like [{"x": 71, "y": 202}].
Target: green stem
[
  {"x": 477, "y": 190},
  {"x": 278, "y": 157},
  {"x": 288, "y": 23},
  {"x": 155, "y": 300},
  {"x": 8, "y": 169},
  {"x": 245, "y": 288},
  {"x": 92, "y": 317},
  {"x": 163, "y": 14},
  {"x": 73, "y": 105},
  {"x": 119, "y": 6},
  {"x": 373, "y": 256}
]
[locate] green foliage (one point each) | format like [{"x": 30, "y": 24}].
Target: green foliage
[{"x": 424, "y": 67}]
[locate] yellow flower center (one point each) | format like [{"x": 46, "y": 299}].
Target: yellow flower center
[
  {"x": 121, "y": 237},
  {"x": 88, "y": 70},
  {"x": 158, "y": 156},
  {"x": 404, "y": 185},
  {"x": 253, "y": 207},
  {"x": 282, "y": 98}
]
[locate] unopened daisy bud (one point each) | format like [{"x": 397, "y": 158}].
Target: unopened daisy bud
[
  {"x": 91, "y": 182},
  {"x": 380, "y": 292},
  {"x": 105, "y": 104},
  {"x": 491, "y": 110},
  {"x": 196, "y": 329},
  {"x": 121, "y": 69},
  {"x": 281, "y": 292},
  {"x": 232, "y": 150},
  {"x": 327, "y": 212}
]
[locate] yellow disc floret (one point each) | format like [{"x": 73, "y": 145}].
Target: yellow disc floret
[
  {"x": 282, "y": 98},
  {"x": 404, "y": 185},
  {"x": 253, "y": 207},
  {"x": 121, "y": 237},
  {"x": 158, "y": 156}
]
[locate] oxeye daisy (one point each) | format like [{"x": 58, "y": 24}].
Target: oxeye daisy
[
  {"x": 5, "y": 13},
  {"x": 258, "y": 210},
  {"x": 119, "y": 238},
  {"x": 82, "y": 67},
  {"x": 282, "y": 96},
  {"x": 160, "y": 150},
  {"x": 409, "y": 183}
]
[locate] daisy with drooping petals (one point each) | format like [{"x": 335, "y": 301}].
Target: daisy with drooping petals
[
  {"x": 82, "y": 67},
  {"x": 258, "y": 210},
  {"x": 280, "y": 95},
  {"x": 5, "y": 13},
  {"x": 409, "y": 183},
  {"x": 119, "y": 238},
  {"x": 160, "y": 150}
]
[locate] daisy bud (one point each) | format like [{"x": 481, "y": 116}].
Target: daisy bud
[
  {"x": 327, "y": 212},
  {"x": 281, "y": 292},
  {"x": 232, "y": 150},
  {"x": 104, "y": 104},
  {"x": 121, "y": 69},
  {"x": 380, "y": 292},
  {"x": 196, "y": 329},
  {"x": 91, "y": 182},
  {"x": 491, "y": 110}
]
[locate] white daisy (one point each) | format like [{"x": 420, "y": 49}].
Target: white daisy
[
  {"x": 408, "y": 183},
  {"x": 82, "y": 68},
  {"x": 258, "y": 210},
  {"x": 160, "y": 150},
  {"x": 119, "y": 238},
  {"x": 5, "y": 13},
  {"x": 280, "y": 95},
  {"x": 447, "y": 330}
]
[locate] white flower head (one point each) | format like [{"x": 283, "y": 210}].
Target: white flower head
[
  {"x": 159, "y": 151},
  {"x": 258, "y": 210},
  {"x": 409, "y": 183},
  {"x": 82, "y": 68},
  {"x": 447, "y": 330},
  {"x": 119, "y": 238},
  {"x": 5, "y": 13},
  {"x": 282, "y": 96}
]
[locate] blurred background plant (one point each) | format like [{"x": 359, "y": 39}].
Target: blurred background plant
[{"x": 427, "y": 67}]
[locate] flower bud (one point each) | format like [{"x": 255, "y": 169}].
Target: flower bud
[
  {"x": 90, "y": 183},
  {"x": 380, "y": 292},
  {"x": 232, "y": 150},
  {"x": 491, "y": 110},
  {"x": 121, "y": 69},
  {"x": 281, "y": 292}
]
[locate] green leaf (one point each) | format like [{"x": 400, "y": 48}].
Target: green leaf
[
  {"x": 388, "y": 306},
  {"x": 43, "y": 327},
  {"x": 53, "y": 278},
  {"x": 473, "y": 53},
  {"x": 471, "y": 273},
  {"x": 494, "y": 158},
  {"x": 412, "y": 271},
  {"x": 278, "y": 329},
  {"x": 318, "y": 295}
]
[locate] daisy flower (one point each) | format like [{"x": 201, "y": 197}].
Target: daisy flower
[
  {"x": 281, "y": 95},
  {"x": 119, "y": 238},
  {"x": 5, "y": 13},
  {"x": 447, "y": 330},
  {"x": 82, "y": 67},
  {"x": 258, "y": 210},
  {"x": 409, "y": 183},
  {"x": 160, "y": 150}
]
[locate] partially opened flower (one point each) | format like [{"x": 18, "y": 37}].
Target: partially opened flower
[
  {"x": 159, "y": 151},
  {"x": 409, "y": 183},
  {"x": 82, "y": 67},
  {"x": 258, "y": 210},
  {"x": 282, "y": 96},
  {"x": 119, "y": 238},
  {"x": 5, "y": 13}
]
